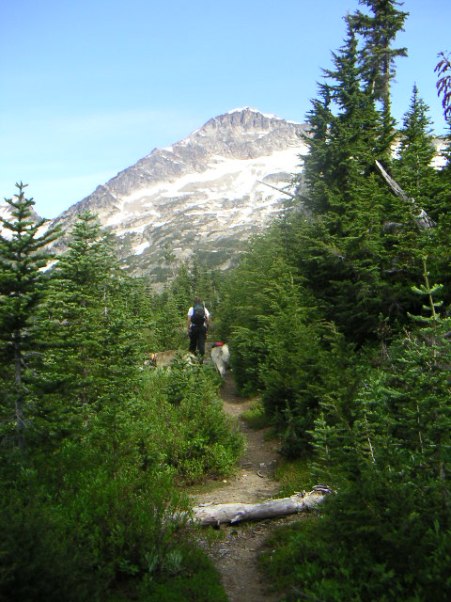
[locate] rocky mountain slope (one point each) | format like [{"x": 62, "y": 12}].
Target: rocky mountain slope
[{"x": 203, "y": 196}]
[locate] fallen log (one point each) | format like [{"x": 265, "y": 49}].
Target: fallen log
[{"x": 216, "y": 514}]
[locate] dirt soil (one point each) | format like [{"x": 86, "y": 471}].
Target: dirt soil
[{"x": 235, "y": 554}]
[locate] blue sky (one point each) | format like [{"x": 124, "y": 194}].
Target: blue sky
[{"x": 88, "y": 87}]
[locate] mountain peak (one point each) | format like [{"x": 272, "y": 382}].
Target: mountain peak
[
  {"x": 246, "y": 117},
  {"x": 243, "y": 133},
  {"x": 247, "y": 110},
  {"x": 204, "y": 195}
]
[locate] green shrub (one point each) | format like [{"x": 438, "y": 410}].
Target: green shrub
[
  {"x": 188, "y": 424},
  {"x": 255, "y": 417},
  {"x": 39, "y": 556},
  {"x": 196, "y": 581},
  {"x": 386, "y": 535},
  {"x": 91, "y": 515},
  {"x": 103, "y": 540},
  {"x": 319, "y": 559}
]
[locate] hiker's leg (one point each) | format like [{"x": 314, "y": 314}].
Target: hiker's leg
[
  {"x": 192, "y": 340},
  {"x": 201, "y": 340}
]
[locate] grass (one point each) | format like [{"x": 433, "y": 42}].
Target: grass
[
  {"x": 279, "y": 557},
  {"x": 194, "y": 579},
  {"x": 208, "y": 485},
  {"x": 255, "y": 416},
  {"x": 199, "y": 582},
  {"x": 293, "y": 476}
]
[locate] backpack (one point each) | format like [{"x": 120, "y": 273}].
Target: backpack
[{"x": 198, "y": 317}]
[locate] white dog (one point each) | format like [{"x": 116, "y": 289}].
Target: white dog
[{"x": 220, "y": 356}]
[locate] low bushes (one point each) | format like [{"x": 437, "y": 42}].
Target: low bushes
[
  {"x": 93, "y": 519},
  {"x": 194, "y": 436}
]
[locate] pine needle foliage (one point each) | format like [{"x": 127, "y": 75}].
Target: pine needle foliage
[
  {"x": 336, "y": 318},
  {"x": 387, "y": 528},
  {"x": 89, "y": 452},
  {"x": 23, "y": 256},
  {"x": 92, "y": 333}
]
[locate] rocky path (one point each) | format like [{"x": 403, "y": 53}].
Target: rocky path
[{"x": 235, "y": 554}]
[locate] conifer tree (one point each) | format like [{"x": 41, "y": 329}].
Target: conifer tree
[
  {"x": 341, "y": 246},
  {"x": 92, "y": 325},
  {"x": 390, "y": 460},
  {"x": 428, "y": 190},
  {"x": 414, "y": 169},
  {"x": 379, "y": 31},
  {"x": 250, "y": 296},
  {"x": 359, "y": 242},
  {"x": 23, "y": 256},
  {"x": 354, "y": 135},
  {"x": 344, "y": 132},
  {"x": 315, "y": 175}
]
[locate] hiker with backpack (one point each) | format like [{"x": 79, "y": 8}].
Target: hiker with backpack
[{"x": 198, "y": 318}]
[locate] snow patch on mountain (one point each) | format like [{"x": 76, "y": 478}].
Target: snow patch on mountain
[{"x": 204, "y": 195}]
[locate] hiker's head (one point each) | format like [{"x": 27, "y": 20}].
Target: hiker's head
[{"x": 197, "y": 301}]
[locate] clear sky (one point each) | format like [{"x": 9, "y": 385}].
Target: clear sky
[{"x": 89, "y": 87}]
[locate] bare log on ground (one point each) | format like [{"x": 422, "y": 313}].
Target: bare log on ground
[{"x": 216, "y": 514}]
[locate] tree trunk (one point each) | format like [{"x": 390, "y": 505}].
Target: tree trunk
[
  {"x": 215, "y": 514},
  {"x": 19, "y": 392}
]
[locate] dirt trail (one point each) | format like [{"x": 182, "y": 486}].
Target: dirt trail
[{"x": 236, "y": 553}]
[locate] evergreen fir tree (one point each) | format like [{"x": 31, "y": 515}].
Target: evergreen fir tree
[
  {"x": 359, "y": 244},
  {"x": 94, "y": 330},
  {"x": 414, "y": 169},
  {"x": 377, "y": 56},
  {"x": 389, "y": 459},
  {"x": 341, "y": 251},
  {"x": 23, "y": 256},
  {"x": 246, "y": 309},
  {"x": 315, "y": 174},
  {"x": 428, "y": 191},
  {"x": 344, "y": 133}
]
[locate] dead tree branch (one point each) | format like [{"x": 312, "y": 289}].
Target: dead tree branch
[{"x": 422, "y": 218}]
